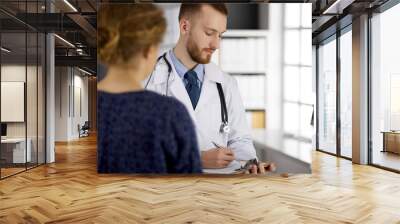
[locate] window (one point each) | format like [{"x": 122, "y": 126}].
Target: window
[
  {"x": 327, "y": 96},
  {"x": 385, "y": 89},
  {"x": 22, "y": 68},
  {"x": 298, "y": 97},
  {"x": 346, "y": 94}
]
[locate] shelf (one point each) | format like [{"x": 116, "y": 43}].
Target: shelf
[
  {"x": 255, "y": 109},
  {"x": 245, "y": 33},
  {"x": 243, "y": 52},
  {"x": 246, "y": 72},
  {"x": 243, "y": 55}
]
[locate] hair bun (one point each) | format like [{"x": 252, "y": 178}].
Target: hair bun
[
  {"x": 124, "y": 30},
  {"x": 107, "y": 42}
]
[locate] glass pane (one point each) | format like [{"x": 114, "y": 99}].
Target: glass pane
[
  {"x": 41, "y": 6},
  {"x": 41, "y": 98},
  {"x": 306, "y": 14},
  {"x": 32, "y": 7},
  {"x": 292, "y": 15},
  {"x": 292, "y": 47},
  {"x": 291, "y": 83},
  {"x": 306, "y": 129},
  {"x": 394, "y": 102},
  {"x": 305, "y": 49},
  {"x": 31, "y": 98},
  {"x": 306, "y": 91},
  {"x": 327, "y": 97},
  {"x": 13, "y": 86},
  {"x": 385, "y": 89},
  {"x": 346, "y": 94},
  {"x": 291, "y": 118}
]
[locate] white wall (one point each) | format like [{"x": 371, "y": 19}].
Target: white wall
[
  {"x": 79, "y": 117},
  {"x": 50, "y": 94},
  {"x": 62, "y": 81},
  {"x": 171, "y": 12},
  {"x": 70, "y": 83},
  {"x": 14, "y": 73},
  {"x": 33, "y": 126},
  {"x": 17, "y": 73},
  {"x": 275, "y": 68}
]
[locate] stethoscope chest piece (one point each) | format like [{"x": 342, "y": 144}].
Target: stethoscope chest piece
[{"x": 225, "y": 128}]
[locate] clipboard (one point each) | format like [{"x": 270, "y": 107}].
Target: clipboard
[{"x": 246, "y": 166}]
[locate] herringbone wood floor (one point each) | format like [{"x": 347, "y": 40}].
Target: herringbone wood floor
[{"x": 70, "y": 191}]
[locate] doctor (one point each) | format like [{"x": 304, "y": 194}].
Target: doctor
[{"x": 210, "y": 95}]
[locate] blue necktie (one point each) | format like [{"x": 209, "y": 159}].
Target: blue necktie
[{"x": 192, "y": 87}]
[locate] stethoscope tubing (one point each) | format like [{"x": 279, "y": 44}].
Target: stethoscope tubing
[{"x": 224, "y": 112}]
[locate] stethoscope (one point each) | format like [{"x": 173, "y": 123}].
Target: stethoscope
[{"x": 224, "y": 128}]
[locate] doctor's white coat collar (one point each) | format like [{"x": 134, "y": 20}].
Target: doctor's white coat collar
[{"x": 211, "y": 72}]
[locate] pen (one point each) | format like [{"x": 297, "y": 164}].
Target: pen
[{"x": 217, "y": 146}]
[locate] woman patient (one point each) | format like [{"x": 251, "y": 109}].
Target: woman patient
[{"x": 138, "y": 131}]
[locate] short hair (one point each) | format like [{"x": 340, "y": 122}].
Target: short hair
[
  {"x": 126, "y": 30},
  {"x": 192, "y": 8}
]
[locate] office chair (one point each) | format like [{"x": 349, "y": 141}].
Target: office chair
[{"x": 84, "y": 130}]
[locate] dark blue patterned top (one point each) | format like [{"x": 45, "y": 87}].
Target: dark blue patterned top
[{"x": 144, "y": 132}]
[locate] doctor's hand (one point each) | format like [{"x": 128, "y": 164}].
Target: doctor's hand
[
  {"x": 217, "y": 158},
  {"x": 262, "y": 168}
]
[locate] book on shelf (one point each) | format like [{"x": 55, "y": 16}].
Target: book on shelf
[
  {"x": 256, "y": 119},
  {"x": 243, "y": 54}
]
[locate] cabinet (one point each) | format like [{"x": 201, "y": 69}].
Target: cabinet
[
  {"x": 391, "y": 142},
  {"x": 13, "y": 150}
]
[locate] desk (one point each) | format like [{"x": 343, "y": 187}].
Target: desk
[
  {"x": 391, "y": 141},
  {"x": 15, "y": 148},
  {"x": 289, "y": 155}
]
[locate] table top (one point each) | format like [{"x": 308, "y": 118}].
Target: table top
[
  {"x": 14, "y": 140},
  {"x": 277, "y": 140},
  {"x": 391, "y": 132},
  {"x": 295, "y": 151}
]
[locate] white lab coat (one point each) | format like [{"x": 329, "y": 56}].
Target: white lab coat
[{"x": 207, "y": 115}]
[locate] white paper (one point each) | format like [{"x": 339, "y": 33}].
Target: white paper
[{"x": 227, "y": 170}]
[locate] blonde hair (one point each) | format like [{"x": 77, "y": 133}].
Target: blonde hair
[{"x": 126, "y": 30}]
